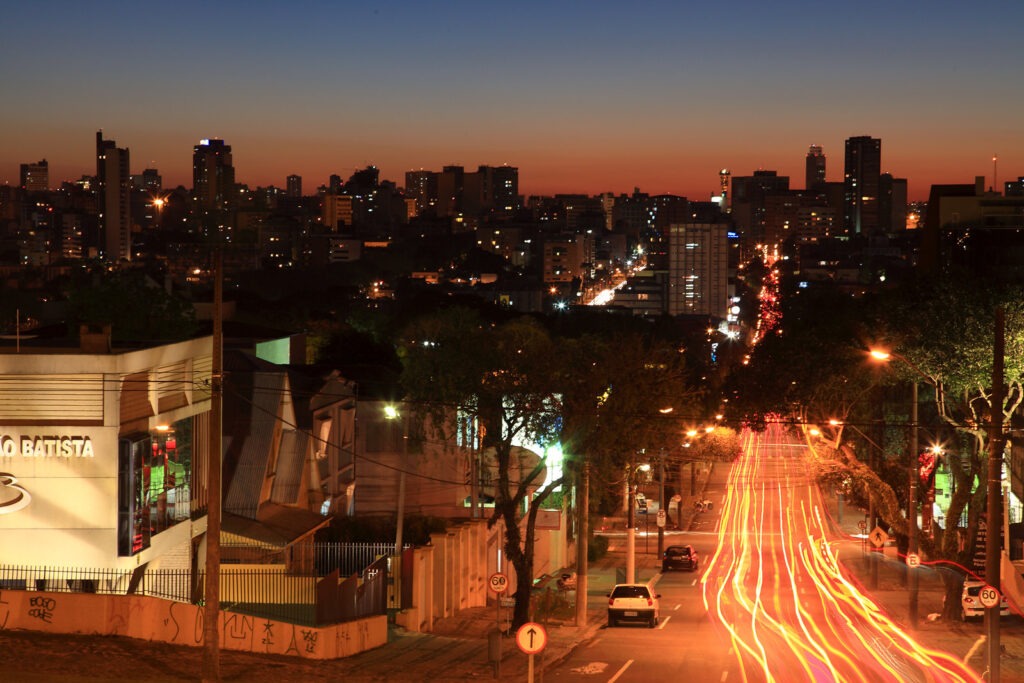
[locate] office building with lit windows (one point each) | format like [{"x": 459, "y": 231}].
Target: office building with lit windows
[
  {"x": 698, "y": 273},
  {"x": 35, "y": 177},
  {"x": 213, "y": 175},
  {"x": 113, "y": 199},
  {"x": 861, "y": 189}
]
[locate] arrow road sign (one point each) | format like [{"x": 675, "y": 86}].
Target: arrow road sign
[{"x": 531, "y": 638}]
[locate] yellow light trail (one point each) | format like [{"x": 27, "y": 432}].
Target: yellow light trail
[{"x": 776, "y": 588}]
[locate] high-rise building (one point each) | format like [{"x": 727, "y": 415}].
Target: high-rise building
[
  {"x": 749, "y": 196},
  {"x": 698, "y": 269},
  {"x": 149, "y": 180},
  {"x": 35, "y": 177},
  {"x": 421, "y": 187},
  {"x": 293, "y": 186},
  {"x": 815, "y": 173},
  {"x": 113, "y": 199},
  {"x": 499, "y": 189},
  {"x": 862, "y": 176},
  {"x": 892, "y": 203},
  {"x": 213, "y": 175},
  {"x": 450, "y": 185}
]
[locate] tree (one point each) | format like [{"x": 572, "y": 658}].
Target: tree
[
  {"x": 602, "y": 398},
  {"x": 500, "y": 377},
  {"x": 136, "y": 308}
]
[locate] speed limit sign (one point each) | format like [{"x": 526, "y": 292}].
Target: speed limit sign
[
  {"x": 913, "y": 560},
  {"x": 989, "y": 596},
  {"x": 498, "y": 582}
]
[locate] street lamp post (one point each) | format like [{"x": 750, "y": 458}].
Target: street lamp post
[{"x": 913, "y": 474}]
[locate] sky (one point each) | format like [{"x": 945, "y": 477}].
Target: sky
[{"x": 582, "y": 97}]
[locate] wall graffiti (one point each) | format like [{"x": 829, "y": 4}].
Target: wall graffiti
[
  {"x": 42, "y": 608},
  {"x": 238, "y": 628},
  {"x": 172, "y": 622}
]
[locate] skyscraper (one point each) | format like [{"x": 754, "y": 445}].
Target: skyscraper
[
  {"x": 293, "y": 186},
  {"x": 113, "y": 199},
  {"x": 698, "y": 271},
  {"x": 213, "y": 175},
  {"x": 815, "y": 173},
  {"x": 862, "y": 176},
  {"x": 35, "y": 177}
]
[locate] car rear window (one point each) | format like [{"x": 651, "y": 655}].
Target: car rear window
[
  {"x": 679, "y": 551},
  {"x": 631, "y": 592}
]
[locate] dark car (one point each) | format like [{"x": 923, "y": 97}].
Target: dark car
[{"x": 680, "y": 557}]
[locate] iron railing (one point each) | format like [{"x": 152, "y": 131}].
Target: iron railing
[{"x": 271, "y": 592}]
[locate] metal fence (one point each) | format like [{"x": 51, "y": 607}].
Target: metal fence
[
  {"x": 309, "y": 558},
  {"x": 271, "y": 592}
]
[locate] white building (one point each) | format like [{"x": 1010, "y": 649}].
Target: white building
[{"x": 103, "y": 454}]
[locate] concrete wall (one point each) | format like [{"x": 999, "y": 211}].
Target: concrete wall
[
  {"x": 452, "y": 573},
  {"x": 182, "y": 624}
]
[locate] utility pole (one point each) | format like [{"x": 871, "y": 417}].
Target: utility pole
[
  {"x": 630, "y": 532},
  {"x": 661, "y": 503},
  {"x": 211, "y": 595},
  {"x": 993, "y": 521},
  {"x": 401, "y": 508},
  {"x": 582, "y": 549},
  {"x": 914, "y": 471}
]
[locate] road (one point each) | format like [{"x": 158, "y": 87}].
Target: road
[{"x": 770, "y": 603}]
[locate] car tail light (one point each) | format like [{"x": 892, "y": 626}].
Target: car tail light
[
  {"x": 650, "y": 602},
  {"x": 611, "y": 601}
]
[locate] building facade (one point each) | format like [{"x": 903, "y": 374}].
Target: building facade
[
  {"x": 862, "y": 179},
  {"x": 103, "y": 454},
  {"x": 698, "y": 282},
  {"x": 213, "y": 175},
  {"x": 113, "y": 199}
]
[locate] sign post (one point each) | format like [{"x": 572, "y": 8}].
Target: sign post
[
  {"x": 531, "y": 639},
  {"x": 499, "y": 584}
]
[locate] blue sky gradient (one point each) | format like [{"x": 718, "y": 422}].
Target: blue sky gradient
[{"x": 581, "y": 96}]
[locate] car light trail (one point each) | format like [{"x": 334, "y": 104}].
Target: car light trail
[{"x": 777, "y": 589}]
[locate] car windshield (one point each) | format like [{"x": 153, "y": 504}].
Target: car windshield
[{"x": 630, "y": 592}]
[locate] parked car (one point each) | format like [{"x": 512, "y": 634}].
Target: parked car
[
  {"x": 970, "y": 602},
  {"x": 680, "y": 557},
  {"x": 633, "y": 602}
]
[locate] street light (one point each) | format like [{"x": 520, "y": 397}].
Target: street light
[
  {"x": 914, "y": 474},
  {"x": 392, "y": 413}
]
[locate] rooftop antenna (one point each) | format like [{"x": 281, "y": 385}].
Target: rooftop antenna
[{"x": 995, "y": 173}]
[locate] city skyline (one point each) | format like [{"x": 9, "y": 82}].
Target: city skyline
[{"x": 582, "y": 100}]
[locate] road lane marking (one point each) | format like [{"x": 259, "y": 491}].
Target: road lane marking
[
  {"x": 620, "y": 672},
  {"x": 725, "y": 675},
  {"x": 678, "y": 605},
  {"x": 663, "y": 622}
]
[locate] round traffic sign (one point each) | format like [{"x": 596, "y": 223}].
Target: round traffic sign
[
  {"x": 862, "y": 525},
  {"x": 913, "y": 560},
  {"x": 989, "y": 596},
  {"x": 661, "y": 517},
  {"x": 531, "y": 638},
  {"x": 498, "y": 582}
]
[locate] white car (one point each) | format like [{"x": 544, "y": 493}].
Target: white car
[
  {"x": 970, "y": 602},
  {"x": 633, "y": 602}
]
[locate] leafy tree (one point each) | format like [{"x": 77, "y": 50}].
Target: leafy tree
[
  {"x": 135, "y": 307},
  {"x": 601, "y": 397},
  {"x": 500, "y": 377}
]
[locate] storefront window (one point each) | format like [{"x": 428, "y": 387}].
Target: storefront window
[{"x": 155, "y": 473}]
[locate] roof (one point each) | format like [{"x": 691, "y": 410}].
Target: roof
[{"x": 275, "y": 525}]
